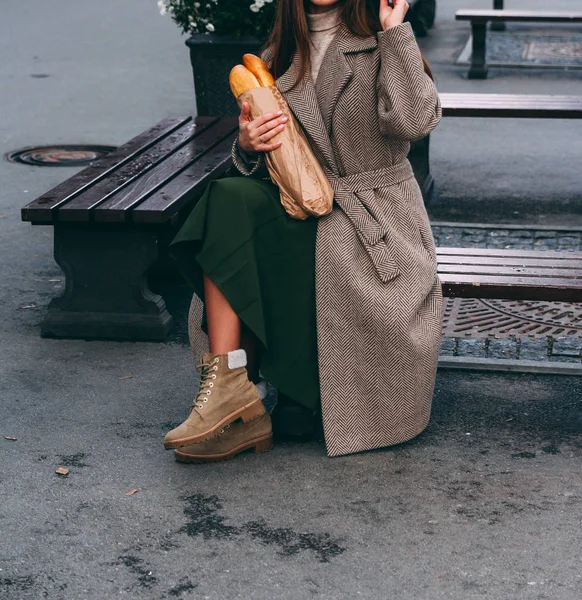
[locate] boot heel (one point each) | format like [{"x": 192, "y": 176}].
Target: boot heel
[
  {"x": 256, "y": 409},
  {"x": 264, "y": 445}
]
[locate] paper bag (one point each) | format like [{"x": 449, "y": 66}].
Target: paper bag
[{"x": 293, "y": 167}]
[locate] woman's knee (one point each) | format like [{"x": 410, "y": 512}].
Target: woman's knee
[{"x": 255, "y": 194}]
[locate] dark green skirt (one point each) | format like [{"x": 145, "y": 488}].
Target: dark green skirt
[{"x": 263, "y": 262}]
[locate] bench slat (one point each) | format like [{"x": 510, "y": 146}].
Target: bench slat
[
  {"x": 510, "y": 280},
  {"x": 554, "y": 16},
  {"x": 79, "y": 208},
  {"x": 41, "y": 209},
  {"x": 117, "y": 207},
  {"x": 511, "y": 105},
  {"x": 542, "y": 274},
  {"x": 511, "y": 292},
  {"x": 497, "y": 262},
  {"x": 507, "y": 253},
  {"x": 186, "y": 186}
]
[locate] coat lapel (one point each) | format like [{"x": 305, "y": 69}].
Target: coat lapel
[
  {"x": 313, "y": 104},
  {"x": 335, "y": 71},
  {"x": 302, "y": 100}
]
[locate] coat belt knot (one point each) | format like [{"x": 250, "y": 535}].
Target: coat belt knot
[{"x": 371, "y": 233}]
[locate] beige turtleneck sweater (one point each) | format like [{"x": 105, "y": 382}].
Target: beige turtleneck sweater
[{"x": 322, "y": 28}]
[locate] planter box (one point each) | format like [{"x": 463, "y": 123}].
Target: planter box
[{"x": 212, "y": 57}]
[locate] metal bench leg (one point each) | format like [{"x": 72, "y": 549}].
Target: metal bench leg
[
  {"x": 478, "y": 68},
  {"x": 497, "y": 25},
  {"x": 106, "y": 294}
]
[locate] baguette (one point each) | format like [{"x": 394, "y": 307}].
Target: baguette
[
  {"x": 242, "y": 80},
  {"x": 259, "y": 69}
]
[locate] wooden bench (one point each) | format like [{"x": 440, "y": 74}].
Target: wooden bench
[
  {"x": 114, "y": 220},
  {"x": 480, "y": 18},
  {"x": 511, "y": 274},
  {"x": 491, "y": 105}
]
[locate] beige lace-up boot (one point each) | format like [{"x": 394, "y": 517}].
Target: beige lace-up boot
[
  {"x": 225, "y": 395},
  {"x": 232, "y": 440}
]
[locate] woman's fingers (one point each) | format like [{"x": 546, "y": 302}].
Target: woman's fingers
[
  {"x": 400, "y": 6},
  {"x": 273, "y": 124},
  {"x": 245, "y": 113},
  {"x": 384, "y": 6},
  {"x": 255, "y": 134},
  {"x": 266, "y": 135}
]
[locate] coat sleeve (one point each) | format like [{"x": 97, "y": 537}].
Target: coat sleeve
[
  {"x": 409, "y": 107},
  {"x": 247, "y": 164}
]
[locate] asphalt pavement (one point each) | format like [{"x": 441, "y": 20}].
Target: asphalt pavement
[{"x": 487, "y": 503}]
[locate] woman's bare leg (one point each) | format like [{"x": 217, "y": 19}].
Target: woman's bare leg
[
  {"x": 223, "y": 323},
  {"x": 225, "y": 331}
]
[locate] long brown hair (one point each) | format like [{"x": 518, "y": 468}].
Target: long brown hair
[{"x": 290, "y": 32}]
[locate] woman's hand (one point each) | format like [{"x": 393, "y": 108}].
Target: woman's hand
[
  {"x": 389, "y": 17},
  {"x": 254, "y": 134}
]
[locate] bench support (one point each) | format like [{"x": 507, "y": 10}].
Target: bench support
[
  {"x": 478, "y": 68},
  {"x": 497, "y": 25},
  {"x": 106, "y": 294}
]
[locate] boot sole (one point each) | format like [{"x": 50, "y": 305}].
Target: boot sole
[
  {"x": 260, "y": 445},
  {"x": 246, "y": 413}
]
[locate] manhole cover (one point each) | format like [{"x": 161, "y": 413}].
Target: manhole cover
[
  {"x": 59, "y": 156},
  {"x": 468, "y": 317}
]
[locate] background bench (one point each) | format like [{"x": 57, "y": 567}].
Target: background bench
[
  {"x": 538, "y": 106},
  {"x": 114, "y": 220},
  {"x": 480, "y": 18},
  {"x": 511, "y": 274}
]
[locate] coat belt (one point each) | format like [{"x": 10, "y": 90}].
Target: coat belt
[{"x": 371, "y": 233}]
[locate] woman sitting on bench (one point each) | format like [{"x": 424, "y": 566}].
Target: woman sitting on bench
[{"x": 341, "y": 315}]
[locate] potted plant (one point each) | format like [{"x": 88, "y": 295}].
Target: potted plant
[{"x": 220, "y": 32}]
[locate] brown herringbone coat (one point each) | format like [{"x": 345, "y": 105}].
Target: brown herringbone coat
[{"x": 379, "y": 301}]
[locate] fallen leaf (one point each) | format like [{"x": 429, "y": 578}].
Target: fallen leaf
[
  {"x": 132, "y": 492},
  {"x": 10, "y": 438},
  {"x": 27, "y": 306},
  {"x": 510, "y": 419},
  {"x": 127, "y": 377},
  {"x": 62, "y": 471},
  {"x": 55, "y": 280}
]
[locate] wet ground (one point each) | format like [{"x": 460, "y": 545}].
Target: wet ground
[{"x": 486, "y": 504}]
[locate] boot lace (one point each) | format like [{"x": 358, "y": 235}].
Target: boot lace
[{"x": 207, "y": 377}]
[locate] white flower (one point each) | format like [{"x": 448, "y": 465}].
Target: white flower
[
  {"x": 163, "y": 6},
  {"x": 196, "y": 4},
  {"x": 210, "y": 27},
  {"x": 255, "y": 8}
]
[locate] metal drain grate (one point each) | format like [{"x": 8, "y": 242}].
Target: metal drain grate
[
  {"x": 60, "y": 156},
  {"x": 469, "y": 317}
]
